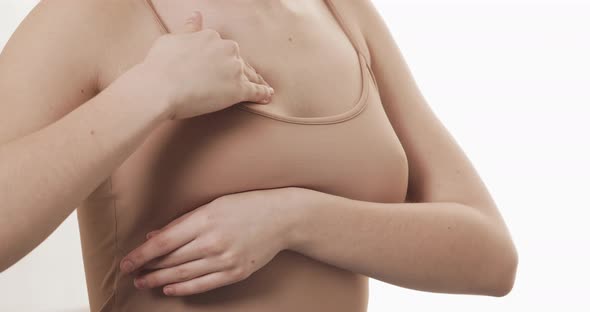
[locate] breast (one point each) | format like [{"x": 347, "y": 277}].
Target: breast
[
  {"x": 184, "y": 164},
  {"x": 187, "y": 163}
]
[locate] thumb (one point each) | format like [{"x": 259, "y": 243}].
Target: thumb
[{"x": 194, "y": 22}]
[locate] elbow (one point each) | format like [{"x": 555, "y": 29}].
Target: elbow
[
  {"x": 500, "y": 281},
  {"x": 4, "y": 261},
  {"x": 505, "y": 282},
  {"x": 7, "y": 259},
  {"x": 4, "y": 264}
]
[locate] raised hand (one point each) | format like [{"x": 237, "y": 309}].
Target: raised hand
[{"x": 198, "y": 72}]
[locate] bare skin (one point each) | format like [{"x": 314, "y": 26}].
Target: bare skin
[{"x": 264, "y": 48}]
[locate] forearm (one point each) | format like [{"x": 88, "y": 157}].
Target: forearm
[
  {"x": 45, "y": 175},
  {"x": 435, "y": 247}
]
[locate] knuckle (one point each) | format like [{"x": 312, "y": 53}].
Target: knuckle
[
  {"x": 235, "y": 47},
  {"x": 181, "y": 272},
  {"x": 229, "y": 259},
  {"x": 161, "y": 241},
  {"x": 239, "y": 64},
  {"x": 237, "y": 68},
  {"x": 243, "y": 81},
  {"x": 239, "y": 273},
  {"x": 258, "y": 92},
  {"x": 211, "y": 33},
  {"x": 151, "y": 281},
  {"x": 206, "y": 248},
  {"x": 243, "y": 86},
  {"x": 231, "y": 46},
  {"x": 209, "y": 248},
  {"x": 221, "y": 242},
  {"x": 246, "y": 90},
  {"x": 193, "y": 289},
  {"x": 136, "y": 257},
  {"x": 216, "y": 245}
]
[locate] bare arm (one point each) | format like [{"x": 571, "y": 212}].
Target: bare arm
[
  {"x": 448, "y": 236},
  {"x": 58, "y": 141},
  {"x": 444, "y": 247}
]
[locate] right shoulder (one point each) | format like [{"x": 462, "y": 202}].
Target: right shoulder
[
  {"x": 58, "y": 50},
  {"x": 86, "y": 26},
  {"x": 72, "y": 16},
  {"x": 79, "y": 30}
]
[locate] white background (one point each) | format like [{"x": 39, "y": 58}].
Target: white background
[{"x": 511, "y": 81}]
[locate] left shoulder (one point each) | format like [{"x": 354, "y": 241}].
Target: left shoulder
[
  {"x": 366, "y": 24},
  {"x": 363, "y": 21},
  {"x": 362, "y": 9}
]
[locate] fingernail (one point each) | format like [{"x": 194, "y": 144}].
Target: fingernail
[
  {"x": 150, "y": 235},
  {"x": 272, "y": 91},
  {"x": 127, "y": 266},
  {"x": 168, "y": 291}
]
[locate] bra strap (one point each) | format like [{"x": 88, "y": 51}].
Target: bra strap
[
  {"x": 156, "y": 16},
  {"x": 345, "y": 18}
]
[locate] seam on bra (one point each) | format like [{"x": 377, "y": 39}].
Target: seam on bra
[
  {"x": 156, "y": 16},
  {"x": 116, "y": 254},
  {"x": 374, "y": 78},
  {"x": 111, "y": 301},
  {"x": 345, "y": 27},
  {"x": 354, "y": 41}
]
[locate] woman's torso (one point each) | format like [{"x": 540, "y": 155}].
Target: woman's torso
[{"x": 325, "y": 130}]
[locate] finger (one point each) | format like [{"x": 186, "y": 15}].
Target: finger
[
  {"x": 186, "y": 253},
  {"x": 200, "y": 284},
  {"x": 164, "y": 243},
  {"x": 193, "y": 23},
  {"x": 177, "y": 274},
  {"x": 257, "y": 93},
  {"x": 172, "y": 223},
  {"x": 253, "y": 75},
  {"x": 152, "y": 234}
]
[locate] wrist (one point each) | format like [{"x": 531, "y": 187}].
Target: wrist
[
  {"x": 147, "y": 90},
  {"x": 298, "y": 204}
]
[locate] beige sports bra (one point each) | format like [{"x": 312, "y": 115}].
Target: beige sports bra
[{"x": 184, "y": 164}]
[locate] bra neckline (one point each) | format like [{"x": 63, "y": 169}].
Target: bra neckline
[
  {"x": 350, "y": 113},
  {"x": 357, "y": 107}
]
